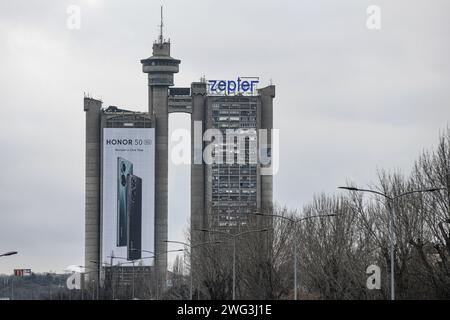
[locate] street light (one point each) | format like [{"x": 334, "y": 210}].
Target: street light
[
  {"x": 234, "y": 236},
  {"x": 98, "y": 273},
  {"x": 294, "y": 222},
  {"x": 392, "y": 240},
  {"x": 82, "y": 287},
  {"x": 10, "y": 253},
  {"x": 190, "y": 257},
  {"x": 130, "y": 261},
  {"x": 154, "y": 268},
  {"x": 141, "y": 250}
]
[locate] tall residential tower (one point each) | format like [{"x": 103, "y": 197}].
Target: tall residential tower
[{"x": 222, "y": 194}]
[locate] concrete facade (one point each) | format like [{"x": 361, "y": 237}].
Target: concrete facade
[
  {"x": 222, "y": 195},
  {"x": 267, "y": 95},
  {"x": 97, "y": 119},
  {"x": 93, "y": 111},
  {"x": 205, "y": 202}
]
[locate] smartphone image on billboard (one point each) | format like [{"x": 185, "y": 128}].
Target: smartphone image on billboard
[
  {"x": 134, "y": 220},
  {"x": 124, "y": 170}
]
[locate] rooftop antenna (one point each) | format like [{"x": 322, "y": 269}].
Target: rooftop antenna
[{"x": 161, "y": 28}]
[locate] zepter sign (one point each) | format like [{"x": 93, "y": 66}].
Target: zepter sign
[{"x": 243, "y": 85}]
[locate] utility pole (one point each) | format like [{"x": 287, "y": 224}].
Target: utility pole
[
  {"x": 132, "y": 296},
  {"x": 112, "y": 274},
  {"x": 233, "y": 237}
]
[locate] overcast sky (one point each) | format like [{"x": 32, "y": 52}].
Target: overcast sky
[{"x": 348, "y": 100}]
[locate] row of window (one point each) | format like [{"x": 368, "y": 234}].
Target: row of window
[
  {"x": 235, "y": 125},
  {"x": 233, "y": 191},
  {"x": 233, "y": 171},
  {"x": 234, "y": 179},
  {"x": 233, "y": 119},
  {"x": 234, "y": 166},
  {"x": 234, "y": 100},
  {"x": 226, "y": 184},
  {"x": 233, "y": 112},
  {"x": 232, "y": 224},
  {"x": 233, "y": 206},
  {"x": 164, "y": 63},
  {"x": 233, "y": 197}
]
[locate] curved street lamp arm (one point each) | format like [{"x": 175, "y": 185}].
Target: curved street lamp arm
[
  {"x": 365, "y": 190},
  {"x": 192, "y": 245},
  {"x": 316, "y": 216},
  {"x": 417, "y": 191},
  {"x": 100, "y": 263},
  {"x": 250, "y": 231},
  {"x": 217, "y": 231},
  {"x": 395, "y": 197},
  {"x": 142, "y": 250},
  {"x": 120, "y": 258},
  {"x": 8, "y": 254},
  {"x": 179, "y": 242},
  {"x": 204, "y": 243},
  {"x": 177, "y": 250},
  {"x": 297, "y": 220},
  {"x": 273, "y": 215},
  {"x": 233, "y": 235}
]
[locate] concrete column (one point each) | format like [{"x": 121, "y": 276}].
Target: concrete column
[
  {"x": 150, "y": 99},
  {"x": 266, "y": 181},
  {"x": 267, "y": 95},
  {"x": 92, "y": 108},
  {"x": 160, "y": 108},
  {"x": 197, "y": 170}
]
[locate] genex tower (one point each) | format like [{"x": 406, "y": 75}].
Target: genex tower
[
  {"x": 126, "y": 191},
  {"x": 160, "y": 68}
]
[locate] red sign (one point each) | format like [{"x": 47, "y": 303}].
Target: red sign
[{"x": 22, "y": 272}]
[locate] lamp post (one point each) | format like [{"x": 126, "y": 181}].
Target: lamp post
[
  {"x": 6, "y": 254},
  {"x": 98, "y": 274},
  {"x": 154, "y": 267},
  {"x": 132, "y": 262},
  {"x": 294, "y": 222},
  {"x": 392, "y": 239},
  {"x": 234, "y": 237},
  {"x": 190, "y": 258},
  {"x": 92, "y": 281},
  {"x": 111, "y": 265},
  {"x": 154, "y": 256},
  {"x": 120, "y": 264}
]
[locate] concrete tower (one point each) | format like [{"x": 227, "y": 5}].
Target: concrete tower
[
  {"x": 93, "y": 111},
  {"x": 198, "y": 216},
  {"x": 160, "y": 68},
  {"x": 267, "y": 95},
  {"x": 223, "y": 195}
]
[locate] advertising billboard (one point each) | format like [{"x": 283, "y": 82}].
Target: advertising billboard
[
  {"x": 22, "y": 272},
  {"x": 128, "y": 177}
]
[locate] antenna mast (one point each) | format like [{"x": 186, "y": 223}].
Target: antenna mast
[{"x": 161, "y": 28}]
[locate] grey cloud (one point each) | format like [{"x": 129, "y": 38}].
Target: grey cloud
[{"x": 349, "y": 100}]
